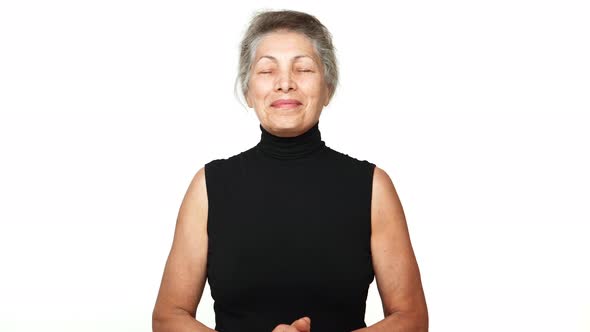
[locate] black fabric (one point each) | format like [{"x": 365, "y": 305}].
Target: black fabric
[{"x": 289, "y": 229}]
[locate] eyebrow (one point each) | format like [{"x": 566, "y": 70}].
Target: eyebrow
[{"x": 295, "y": 57}]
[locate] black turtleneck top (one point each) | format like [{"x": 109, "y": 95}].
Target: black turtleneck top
[{"x": 289, "y": 228}]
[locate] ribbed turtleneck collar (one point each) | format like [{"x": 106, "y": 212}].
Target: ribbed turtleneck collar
[{"x": 291, "y": 147}]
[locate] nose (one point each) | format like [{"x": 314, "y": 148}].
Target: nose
[{"x": 285, "y": 82}]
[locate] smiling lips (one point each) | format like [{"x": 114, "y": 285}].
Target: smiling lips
[{"x": 286, "y": 103}]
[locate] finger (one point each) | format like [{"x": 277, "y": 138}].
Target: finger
[
  {"x": 302, "y": 324},
  {"x": 284, "y": 328}
]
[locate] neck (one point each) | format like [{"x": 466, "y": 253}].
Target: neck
[{"x": 296, "y": 147}]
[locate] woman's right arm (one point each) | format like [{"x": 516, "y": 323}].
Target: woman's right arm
[{"x": 186, "y": 268}]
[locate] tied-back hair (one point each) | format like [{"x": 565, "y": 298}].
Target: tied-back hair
[{"x": 265, "y": 21}]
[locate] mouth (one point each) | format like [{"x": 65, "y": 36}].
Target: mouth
[
  {"x": 286, "y": 106},
  {"x": 286, "y": 103}
]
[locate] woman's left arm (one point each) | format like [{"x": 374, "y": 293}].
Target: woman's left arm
[{"x": 394, "y": 263}]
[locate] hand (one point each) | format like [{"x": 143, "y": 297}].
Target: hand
[{"x": 301, "y": 325}]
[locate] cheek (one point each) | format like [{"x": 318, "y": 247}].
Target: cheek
[
  {"x": 260, "y": 88},
  {"x": 312, "y": 88}
]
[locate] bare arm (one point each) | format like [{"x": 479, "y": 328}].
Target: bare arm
[
  {"x": 185, "y": 271},
  {"x": 396, "y": 269}
]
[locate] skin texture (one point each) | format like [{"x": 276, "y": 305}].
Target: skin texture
[
  {"x": 394, "y": 263},
  {"x": 185, "y": 272},
  {"x": 396, "y": 270},
  {"x": 284, "y": 77}
]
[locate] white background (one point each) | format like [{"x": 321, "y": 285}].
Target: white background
[{"x": 477, "y": 110}]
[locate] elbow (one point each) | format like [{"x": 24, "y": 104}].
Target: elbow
[
  {"x": 423, "y": 324},
  {"x": 418, "y": 320},
  {"x": 422, "y": 320},
  {"x": 160, "y": 320},
  {"x": 157, "y": 322},
  {"x": 414, "y": 320},
  {"x": 165, "y": 320},
  {"x": 420, "y": 317}
]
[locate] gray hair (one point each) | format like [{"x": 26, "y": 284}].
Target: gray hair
[{"x": 265, "y": 22}]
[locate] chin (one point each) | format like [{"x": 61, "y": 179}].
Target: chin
[{"x": 287, "y": 125}]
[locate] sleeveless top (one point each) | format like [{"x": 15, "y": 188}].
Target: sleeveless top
[{"x": 289, "y": 227}]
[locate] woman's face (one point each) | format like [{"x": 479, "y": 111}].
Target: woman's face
[{"x": 286, "y": 66}]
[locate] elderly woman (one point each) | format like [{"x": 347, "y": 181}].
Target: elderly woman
[{"x": 290, "y": 233}]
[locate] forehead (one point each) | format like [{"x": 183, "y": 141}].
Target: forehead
[{"x": 283, "y": 44}]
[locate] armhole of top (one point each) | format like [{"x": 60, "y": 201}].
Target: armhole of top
[
  {"x": 208, "y": 184},
  {"x": 371, "y": 177}
]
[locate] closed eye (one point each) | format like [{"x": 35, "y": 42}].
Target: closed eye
[{"x": 302, "y": 71}]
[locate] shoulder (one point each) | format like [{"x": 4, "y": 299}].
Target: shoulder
[
  {"x": 223, "y": 173},
  {"x": 385, "y": 203},
  {"x": 381, "y": 180},
  {"x": 223, "y": 167},
  {"x": 230, "y": 161},
  {"x": 197, "y": 190},
  {"x": 352, "y": 161},
  {"x": 383, "y": 187}
]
